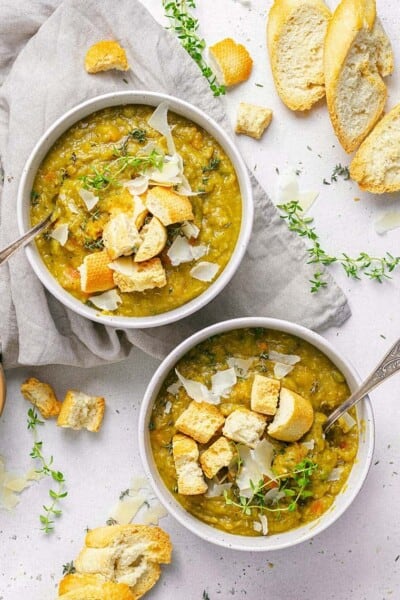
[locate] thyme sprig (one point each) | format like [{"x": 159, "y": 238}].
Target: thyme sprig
[
  {"x": 293, "y": 484},
  {"x": 68, "y": 568},
  {"x": 46, "y": 469},
  {"x": 373, "y": 267},
  {"x": 108, "y": 176},
  {"x": 186, "y": 28}
]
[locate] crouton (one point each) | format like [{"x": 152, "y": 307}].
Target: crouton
[
  {"x": 168, "y": 206},
  {"x": 105, "y": 590},
  {"x": 128, "y": 554},
  {"x": 120, "y": 236},
  {"x": 96, "y": 276},
  {"x": 140, "y": 212},
  {"x": 264, "y": 394},
  {"x": 217, "y": 456},
  {"x": 154, "y": 237},
  {"x": 79, "y": 411},
  {"x": 42, "y": 396},
  {"x": 189, "y": 476},
  {"x": 252, "y": 120},
  {"x": 200, "y": 421},
  {"x": 293, "y": 418},
  {"x": 106, "y": 55},
  {"x": 245, "y": 426},
  {"x": 137, "y": 277},
  {"x": 231, "y": 61}
]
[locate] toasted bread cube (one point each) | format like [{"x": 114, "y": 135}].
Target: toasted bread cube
[
  {"x": 140, "y": 212},
  {"x": 200, "y": 421},
  {"x": 217, "y": 456},
  {"x": 42, "y": 396},
  {"x": 252, "y": 120},
  {"x": 189, "y": 475},
  {"x": 138, "y": 277},
  {"x": 168, "y": 206},
  {"x": 265, "y": 394},
  {"x": 79, "y": 411},
  {"x": 106, "y": 55},
  {"x": 293, "y": 419},
  {"x": 120, "y": 236},
  {"x": 244, "y": 426},
  {"x": 96, "y": 276},
  {"x": 154, "y": 237},
  {"x": 232, "y": 61}
]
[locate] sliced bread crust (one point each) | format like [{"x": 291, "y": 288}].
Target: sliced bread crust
[
  {"x": 376, "y": 165},
  {"x": 295, "y": 34},
  {"x": 357, "y": 54}
]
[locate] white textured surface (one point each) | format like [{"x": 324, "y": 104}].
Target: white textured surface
[{"x": 356, "y": 558}]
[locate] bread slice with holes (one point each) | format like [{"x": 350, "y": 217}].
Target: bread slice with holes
[
  {"x": 80, "y": 411},
  {"x": 138, "y": 277},
  {"x": 217, "y": 456},
  {"x": 42, "y": 396},
  {"x": 200, "y": 420},
  {"x": 295, "y": 34},
  {"x": 188, "y": 473},
  {"x": 293, "y": 418},
  {"x": 128, "y": 554},
  {"x": 120, "y": 236},
  {"x": 244, "y": 426},
  {"x": 357, "y": 54},
  {"x": 376, "y": 165}
]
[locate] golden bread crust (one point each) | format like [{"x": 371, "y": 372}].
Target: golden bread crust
[
  {"x": 104, "y": 591},
  {"x": 96, "y": 276},
  {"x": 80, "y": 411},
  {"x": 42, "y": 396},
  {"x": 252, "y": 120},
  {"x": 106, "y": 55},
  {"x": 168, "y": 206},
  {"x": 296, "y": 421},
  {"x": 233, "y": 60},
  {"x": 200, "y": 420}
]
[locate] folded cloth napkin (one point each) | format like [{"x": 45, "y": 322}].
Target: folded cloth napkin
[{"x": 46, "y": 79}]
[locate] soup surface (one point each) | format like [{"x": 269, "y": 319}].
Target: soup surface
[
  {"x": 301, "y": 479},
  {"x": 95, "y": 172}
]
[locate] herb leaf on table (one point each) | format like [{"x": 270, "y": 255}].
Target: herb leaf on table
[
  {"x": 185, "y": 26},
  {"x": 372, "y": 267},
  {"x": 46, "y": 469}
]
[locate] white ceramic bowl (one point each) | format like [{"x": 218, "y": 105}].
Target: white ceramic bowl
[
  {"x": 276, "y": 541},
  {"x": 117, "y": 99}
]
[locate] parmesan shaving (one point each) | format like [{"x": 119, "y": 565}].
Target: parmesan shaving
[
  {"x": 138, "y": 503},
  {"x": 128, "y": 507},
  {"x": 181, "y": 251},
  {"x": 264, "y": 524},
  {"x": 204, "y": 271},
  {"x": 281, "y": 370},
  {"x": 241, "y": 365},
  {"x": 154, "y": 514},
  {"x": 286, "y": 359},
  {"x": 346, "y": 422},
  {"x": 217, "y": 489},
  {"x": 256, "y": 463},
  {"x": 12, "y": 485},
  {"x": 107, "y": 301},
  {"x": 89, "y": 199},
  {"x": 137, "y": 186},
  {"x": 170, "y": 172},
  {"x": 309, "y": 445},
  {"x": 257, "y": 526},
  {"x": 159, "y": 122},
  {"x": 190, "y": 230},
  {"x": 72, "y": 208},
  {"x": 123, "y": 265},
  {"x": 288, "y": 191},
  {"x": 174, "y": 388},
  {"x": 222, "y": 382},
  {"x": 335, "y": 474},
  {"x": 273, "y": 496},
  {"x": 168, "y": 406},
  {"x": 387, "y": 222},
  {"x": 60, "y": 234},
  {"x": 196, "y": 390}
]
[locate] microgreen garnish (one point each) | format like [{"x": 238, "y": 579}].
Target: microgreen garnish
[
  {"x": 293, "y": 484},
  {"x": 139, "y": 135},
  {"x": 186, "y": 28},
  {"x": 69, "y": 568},
  {"x": 34, "y": 198},
  {"x": 373, "y": 267},
  {"x": 97, "y": 244},
  {"x": 46, "y": 469},
  {"x": 213, "y": 165},
  {"x": 102, "y": 179}
]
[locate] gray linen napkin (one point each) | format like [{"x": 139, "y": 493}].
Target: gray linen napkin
[{"x": 46, "y": 79}]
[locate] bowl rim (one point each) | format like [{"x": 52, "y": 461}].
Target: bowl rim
[
  {"x": 285, "y": 539},
  {"x": 84, "y": 109}
]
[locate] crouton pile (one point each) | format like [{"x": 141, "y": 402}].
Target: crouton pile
[{"x": 285, "y": 415}]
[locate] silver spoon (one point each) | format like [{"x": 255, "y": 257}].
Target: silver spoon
[
  {"x": 387, "y": 367},
  {"x": 24, "y": 240}
]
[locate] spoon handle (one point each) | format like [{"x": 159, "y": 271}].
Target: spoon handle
[
  {"x": 388, "y": 366},
  {"x": 23, "y": 240}
]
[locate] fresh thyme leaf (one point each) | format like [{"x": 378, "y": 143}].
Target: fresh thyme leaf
[
  {"x": 340, "y": 171},
  {"x": 372, "y": 267},
  {"x": 139, "y": 135},
  {"x": 111, "y": 521},
  {"x": 97, "y": 244},
  {"x": 185, "y": 26},
  {"x": 35, "y": 196},
  {"x": 68, "y": 568},
  {"x": 123, "y": 494},
  {"x": 51, "y": 511},
  {"x": 213, "y": 165},
  {"x": 205, "y": 595}
]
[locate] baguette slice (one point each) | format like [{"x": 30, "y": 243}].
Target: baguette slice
[
  {"x": 105, "y": 591},
  {"x": 96, "y": 276},
  {"x": 295, "y": 34},
  {"x": 376, "y": 165},
  {"x": 357, "y": 55},
  {"x": 231, "y": 61},
  {"x": 293, "y": 418}
]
